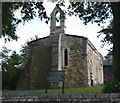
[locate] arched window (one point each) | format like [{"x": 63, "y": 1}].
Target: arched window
[
  {"x": 58, "y": 19},
  {"x": 66, "y": 57}
]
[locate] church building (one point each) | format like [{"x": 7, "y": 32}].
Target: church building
[{"x": 75, "y": 55}]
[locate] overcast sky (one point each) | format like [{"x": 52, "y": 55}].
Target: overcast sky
[{"x": 74, "y": 26}]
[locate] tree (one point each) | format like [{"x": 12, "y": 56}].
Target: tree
[
  {"x": 116, "y": 37},
  {"x": 10, "y": 71},
  {"x": 29, "y": 10},
  {"x": 24, "y": 55},
  {"x": 98, "y": 13},
  {"x": 108, "y": 32},
  {"x": 108, "y": 56},
  {"x": 12, "y": 66}
]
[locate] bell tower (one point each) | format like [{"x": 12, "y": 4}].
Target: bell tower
[
  {"x": 56, "y": 31},
  {"x": 57, "y": 20}
]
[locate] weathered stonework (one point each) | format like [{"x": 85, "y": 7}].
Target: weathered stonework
[
  {"x": 75, "y": 55},
  {"x": 94, "y": 63},
  {"x": 27, "y": 97},
  {"x": 38, "y": 65}
]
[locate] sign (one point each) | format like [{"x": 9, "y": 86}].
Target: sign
[{"x": 55, "y": 76}]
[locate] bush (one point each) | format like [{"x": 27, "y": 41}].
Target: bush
[{"x": 112, "y": 87}]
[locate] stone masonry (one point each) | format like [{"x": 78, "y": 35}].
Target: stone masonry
[
  {"x": 28, "y": 97},
  {"x": 75, "y": 55}
]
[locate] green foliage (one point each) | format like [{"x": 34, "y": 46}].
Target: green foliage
[
  {"x": 92, "y": 12},
  {"x": 4, "y": 54},
  {"x": 24, "y": 55},
  {"x": 108, "y": 32},
  {"x": 12, "y": 67},
  {"x": 9, "y": 22},
  {"x": 109, "y": 55},
  {"x": 11, "y": 71},
  {"x": 112, "y": 87},
  {"x": 33, "y": 38},
  {"x": 29, "y": 10}
]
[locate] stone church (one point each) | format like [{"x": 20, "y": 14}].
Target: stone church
[{"x": 75, "y": 55}]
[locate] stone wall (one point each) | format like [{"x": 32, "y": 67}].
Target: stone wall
[
  {"x": 47, "y": 54},
  {"x": 76, "y": 70},
  {"x": 83, "y": 59},
  {"x": 14, "y": 97},
  {"x": 94, "y": 63},
  {"x": 38, "y": 65}
]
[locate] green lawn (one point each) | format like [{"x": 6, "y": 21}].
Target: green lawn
[{"x": 96, "y": 89}]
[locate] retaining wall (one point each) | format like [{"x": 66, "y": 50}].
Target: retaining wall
[{"x": 14, "y": 97}]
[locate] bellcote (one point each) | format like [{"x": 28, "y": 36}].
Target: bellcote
[{"x": 57, "y": 20}]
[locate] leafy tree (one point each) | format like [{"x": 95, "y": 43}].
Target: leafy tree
[
  {"x": 108, "y": 56},
  {"x": 4, "y": 54},
  {"x": 12, "y": 66},
  {"x": 29, "y": 10},
  {"x": 24, "y": 51},
  {"x": 112, "y": 87},
  {"x": 24, "y": 55},
  {"x": 33, "y": 38},
  {"x": 10, "y": 70},
  {"x": 4, "y": 57},
  {"x": 108, "y": 32}
]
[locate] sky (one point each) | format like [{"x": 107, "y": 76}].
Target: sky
[{"x": 74, "y": 26}]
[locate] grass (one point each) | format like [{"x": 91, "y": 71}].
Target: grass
[{"x": 95, "y": 89}]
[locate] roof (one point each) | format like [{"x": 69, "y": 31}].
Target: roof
[
  {"x": 38, "y": 39},
  {"x": 76, "y": 36},
  {"x": 56, "y": 9},
  {"x": 93, "y": 47},
  {"x": 89, "y": 43}
]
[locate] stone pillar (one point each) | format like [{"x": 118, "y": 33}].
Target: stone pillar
[
  {"x": 55, "y": 48},
  {"x": 56, "y": 52},
  {"x": 59, "y": 54}
]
